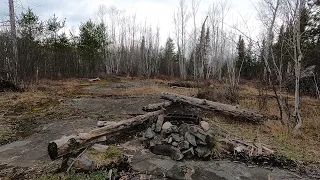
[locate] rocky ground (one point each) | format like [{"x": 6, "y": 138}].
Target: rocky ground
[{"x": 83, "y": 113}]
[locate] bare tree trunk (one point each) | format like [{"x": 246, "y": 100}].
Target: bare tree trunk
[
  {"x": 268, "y": 51},
  {"x": 298, "y": 57},
  {"x": 195, "y": 7},
  {"x": 13, "y": 66}
]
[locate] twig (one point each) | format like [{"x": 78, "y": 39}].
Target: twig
[{"x": 76, "y": 159}]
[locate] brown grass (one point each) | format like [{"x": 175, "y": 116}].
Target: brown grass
[
  {"x": 305, "y": 148},
  {"x": 47, "y": 93}
]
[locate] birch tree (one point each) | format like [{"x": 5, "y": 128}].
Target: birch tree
[
  {"x": 181, "y": 18},
  {"x": 269, "y": 15},
  {"x": 299, "y": 6}
]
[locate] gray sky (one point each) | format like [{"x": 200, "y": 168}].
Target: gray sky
[{"x": 154, "y": 11}]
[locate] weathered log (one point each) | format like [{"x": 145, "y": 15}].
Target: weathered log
[
  {"x": 229, "y": 110},
  {"x": 188, "y": 84},
  {"x": 67, "y": 144},
  {"x": 157, "y": 106}
]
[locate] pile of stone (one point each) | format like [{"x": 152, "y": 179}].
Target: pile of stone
[{"x": 180, "y": 139}]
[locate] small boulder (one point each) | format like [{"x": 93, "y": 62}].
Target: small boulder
[
  {"x": 156, "y": 141},
  {"x": 170, "y": 140},
  {"x": 149, "y": 134},
  {"x": 188, "y": 153},
  {"x": 200, "y": 136},
  {"x": 174, "y": 129},
  {"x": 183, "y": 129},
  {"x": 193, "y": 129},
  {"x": 159, "y": 123},
  {"x": 153, "y": 126},
  {"x": 167, "y": 125},
  {"x": 185, "y": 145},
  {"x": 176, "y": 155},
  {"x": 202, "y": 151},
  {"x": 164, "y": 150},
  {"x": 199, "y": 142},
  {"x": 84, "y": 164},
  {"x": 191, "y": 139},
  {"x": 176, "y": 137},
  {"x": 100, "y": 148},
  {"x": 175, "y": 144},
  {"x": 205, "y": 125}
]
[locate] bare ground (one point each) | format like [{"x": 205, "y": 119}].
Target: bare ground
[{"x": 52, "y": 109}]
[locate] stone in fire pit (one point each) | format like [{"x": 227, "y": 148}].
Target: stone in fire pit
[{"x": 180, "y": 136}]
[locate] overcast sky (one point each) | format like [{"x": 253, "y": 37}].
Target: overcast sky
[{"x": 154, "y": 11}]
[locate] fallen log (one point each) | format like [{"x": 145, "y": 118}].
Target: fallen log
[
  {"x": 229, "y": 110},
  {"x": 68, "y": 144},
  {"x": 188, "y": 84},
  {"x": 157, "y": 106}
]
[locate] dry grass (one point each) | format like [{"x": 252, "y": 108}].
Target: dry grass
[
  {"x": 47, "y": 93},
  {"x": 153, "y": 90},
  {"x": 305, "y": 148}
]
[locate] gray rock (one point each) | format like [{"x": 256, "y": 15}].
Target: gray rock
[
  {"x": 164, "y": 150},
  {"x": 153, "y": 143},
  {"x": 174, "y": 129},
  {"x": 176, "y": 155},
  {"x": 200, "y": 136},
  {"x": 100, "y": 147},
  {"x": 176, "y": 137},
  {"x": 200, "y": 130},
  {"x": 153, "y": 126},
  {"x": 84, "y": 164},
  {"x": 188, "y": 153},
  {"x": 166, "y": 140},
  {"x": 202, "y": 151},
  {"x": 167, "y": 125},
  {"x": 191, "y": 139},
  {"x": 199, "y": 142},
  {"x": 159, "y": 123},
  {"x": 183, "y": 129},
  {"x": 193, "y": 129},
  {"x": 205, "y": 125},
  {"x": 149, "y": 134},
  {"x": 185, "y": 145},
  {"x": 175, "y": 144},
  {"x": 170, "y": 140}
]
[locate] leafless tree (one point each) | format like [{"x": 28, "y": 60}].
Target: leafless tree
[
  {"x": 195, "y": 8},
  {"x": 181, "y": 18},
  {"x": 269, "y": 14}
]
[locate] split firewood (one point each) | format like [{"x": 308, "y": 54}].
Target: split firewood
[
  {"x": 157, "y": 106},
  {"x": 69, "y": 144},
  {"x": 229, "y": 110}
]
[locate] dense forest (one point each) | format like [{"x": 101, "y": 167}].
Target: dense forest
[
  {"x": 283, "y": 59},
  {"x": 286, "y": 54},
  {"x": 116, "y": 44}
]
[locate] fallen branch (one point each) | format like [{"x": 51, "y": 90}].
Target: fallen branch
[
  {"x": 229, "y": 110},
  {"x": 95, "y": 79},
  {"x": 66, "y": 145},
  {"x": 157, "y": 106},
  {"x": 76, "y": 159}
]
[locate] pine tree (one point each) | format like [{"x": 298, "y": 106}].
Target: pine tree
[{"x": 240, "y": 59}]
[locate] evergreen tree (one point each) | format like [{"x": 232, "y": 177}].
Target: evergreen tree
[
  {"x": 90, "y": 43},
  {"x": 168, "y": 61},
  {"x": 240, "y": 59}
]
